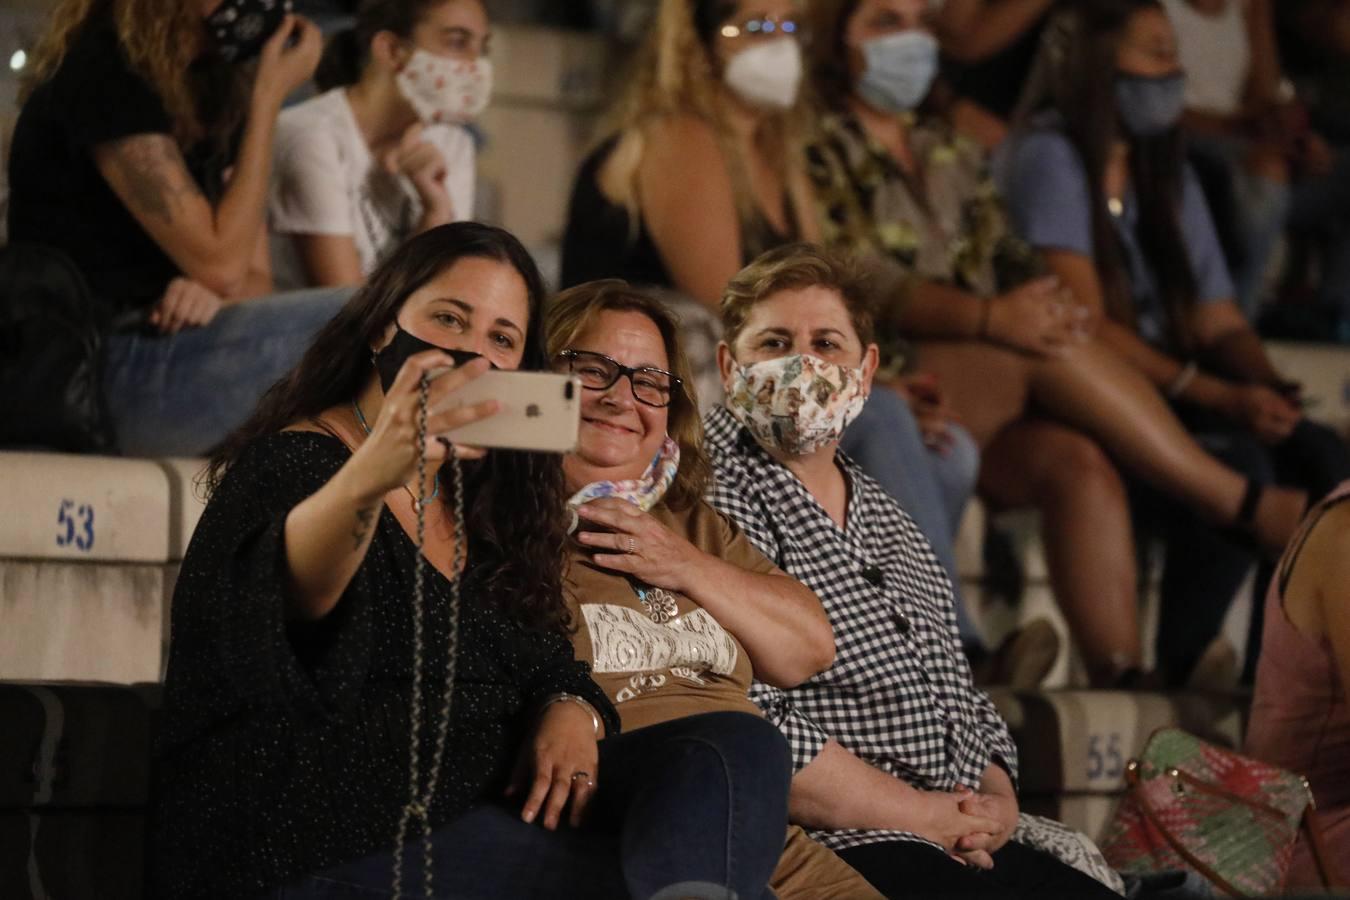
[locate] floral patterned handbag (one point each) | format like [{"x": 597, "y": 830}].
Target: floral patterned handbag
[{"x": 1231, "y": 819}]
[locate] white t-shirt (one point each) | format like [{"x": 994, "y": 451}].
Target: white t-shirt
[
  {"x": 325, "y": 181},
  {"x": 1216, "y": 53}
]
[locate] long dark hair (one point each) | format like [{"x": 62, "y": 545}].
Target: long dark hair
[
  {"x": 515, "y": 501},
  {"x": 1083, "y": 89},
  {"x": 829, "y": 55}
]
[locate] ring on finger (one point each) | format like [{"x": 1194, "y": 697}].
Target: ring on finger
[
  {"x": 586, "y": 775},
  {"x": 632, "y": 546}
]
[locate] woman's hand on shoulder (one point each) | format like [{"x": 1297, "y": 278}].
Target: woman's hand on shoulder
[
  {"x": 635, "y": 543},
  {"x": 389, "y": 456},
  {"x": 557, "y": 766}
]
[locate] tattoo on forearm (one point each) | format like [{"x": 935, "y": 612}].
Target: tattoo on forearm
[
  {"x": 365, "y": 517},
  {"x": 153, "y": 173}
]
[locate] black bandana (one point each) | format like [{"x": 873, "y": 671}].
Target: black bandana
[{"x": 239, "y": 28}]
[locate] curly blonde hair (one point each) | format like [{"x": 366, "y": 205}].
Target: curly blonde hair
[
  {"x": 674, "y": 75},
  {"x": 160, "y": 38}
]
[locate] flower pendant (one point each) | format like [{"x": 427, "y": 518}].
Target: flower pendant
[{"x": 660, "y": 604}]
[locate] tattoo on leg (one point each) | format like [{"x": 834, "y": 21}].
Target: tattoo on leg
[
  {"x": 365, "y": 517},
  {"x": 153, "y": 174}
]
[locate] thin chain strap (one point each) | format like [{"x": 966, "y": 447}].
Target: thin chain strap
[{"x": 419, "y": 802}]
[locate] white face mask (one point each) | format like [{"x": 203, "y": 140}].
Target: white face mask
[
  {"x": 444, "y": 91},
  {"x": 767, "y": 74},
  {"x": 797, "y": 403}
]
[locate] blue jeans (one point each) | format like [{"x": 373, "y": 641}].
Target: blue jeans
[
  {"x": 695, "y": 807},
  {"x": 1259, "y": 209},
  {"x": 934, "y": 489},
  {"x": 181, "y": 394}
]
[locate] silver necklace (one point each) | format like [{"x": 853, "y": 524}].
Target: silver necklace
[
  {"x": 418, "y": 807},
  {"x": 435, "y": 485}
]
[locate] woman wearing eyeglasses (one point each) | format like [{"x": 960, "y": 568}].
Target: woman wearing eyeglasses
[{"x": 675, "y": 610}]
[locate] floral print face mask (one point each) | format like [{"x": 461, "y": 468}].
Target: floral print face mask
[
  {"x": 643, "y": 492},
  {"x": 445, "y": 91},
  {"x": 796, "y": 404}
]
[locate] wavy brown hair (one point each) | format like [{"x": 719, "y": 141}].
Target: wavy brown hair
[
  {"x": 514, "y": 502},
  {"x": 573, "y": 311},
  {"x": 163, "y": 41}
]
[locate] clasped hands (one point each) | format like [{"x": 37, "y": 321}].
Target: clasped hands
[{"x": 971, "y": 825}]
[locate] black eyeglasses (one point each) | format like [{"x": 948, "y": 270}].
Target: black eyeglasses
[{"x": 654, "y": 387}]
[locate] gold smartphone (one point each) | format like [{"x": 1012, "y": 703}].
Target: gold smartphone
[{"x": 539, "y": 411}]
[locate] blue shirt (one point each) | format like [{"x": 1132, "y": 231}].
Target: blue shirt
[{"x": 1046, "y": 188}]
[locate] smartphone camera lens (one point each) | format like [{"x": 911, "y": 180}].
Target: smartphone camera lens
[{"x": 568, "y": 390}]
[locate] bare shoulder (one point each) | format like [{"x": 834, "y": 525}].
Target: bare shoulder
[
  {"x": 683, "y": 140},
  {"x": 1322, "y": 560},
  {"x": 1329, "y": 539}
]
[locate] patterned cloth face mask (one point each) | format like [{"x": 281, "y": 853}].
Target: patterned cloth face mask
[
  {"x": 643, "y": 492},
  {"x": 445, "y": 91},
  {"x": 240, "y": 28},
  {"x": 796, "y": 404}
]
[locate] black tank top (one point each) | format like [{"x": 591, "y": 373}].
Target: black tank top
[{"x": 598, "y": 242}]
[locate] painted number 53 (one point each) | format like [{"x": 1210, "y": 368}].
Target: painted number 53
[{"x": 75, "y": 525}]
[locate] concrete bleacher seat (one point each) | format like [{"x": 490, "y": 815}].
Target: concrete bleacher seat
[{"x": 88, "y": 551}]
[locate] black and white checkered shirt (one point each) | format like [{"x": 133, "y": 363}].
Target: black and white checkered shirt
[{"x": 899, "y": 695}]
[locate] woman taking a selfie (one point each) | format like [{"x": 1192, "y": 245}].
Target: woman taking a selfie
[{"x": 308, "y": 729}]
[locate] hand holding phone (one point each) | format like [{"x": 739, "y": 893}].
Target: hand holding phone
[{"x": 538, "y": 411}]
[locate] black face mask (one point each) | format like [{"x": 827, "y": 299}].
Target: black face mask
[
  {"x": 389, "y": 360},
  {"x": 239, "y": 28}
]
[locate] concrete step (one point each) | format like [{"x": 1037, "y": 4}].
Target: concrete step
[
  {"x": 81, "y": 621},
  {"x": 94, "y": 509}
]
